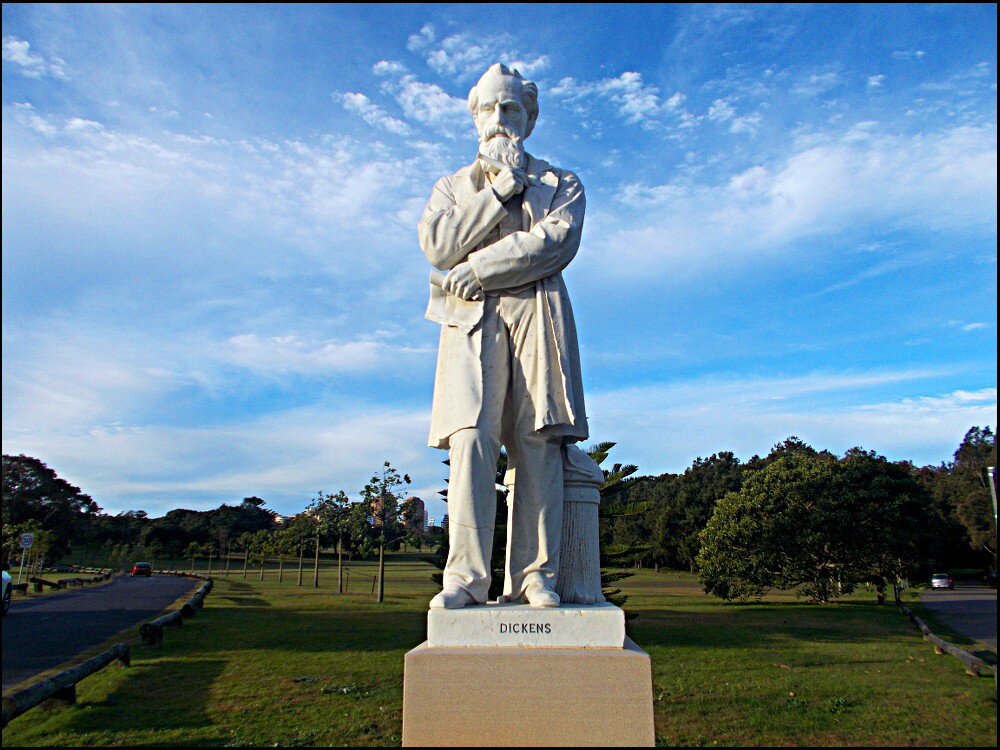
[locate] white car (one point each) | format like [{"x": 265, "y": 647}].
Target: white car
[
  {"x": 7, "y": 589},
  {"x": 942, "y": 581}
]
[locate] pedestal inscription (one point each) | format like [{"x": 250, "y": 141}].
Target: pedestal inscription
[{"x": 522, "y": 626}]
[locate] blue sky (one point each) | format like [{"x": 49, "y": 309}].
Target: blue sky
[{"x": 212, "y": 286}]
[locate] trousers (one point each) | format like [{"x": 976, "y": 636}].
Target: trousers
[{"x": 508, "y": 355}]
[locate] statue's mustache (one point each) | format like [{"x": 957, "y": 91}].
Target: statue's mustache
[{"x": 495, "y": 130}]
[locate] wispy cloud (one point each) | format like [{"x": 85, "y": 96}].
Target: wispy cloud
[
  {"x": 664, "y": 427},
  {"x": 817, "y": 83},
  {"x": 18, "y": 53},
  {"x": 934, "y": 181},
  {"x": 372, "y": 113},
  {"x": 634, "y": 100},
  {"x": 465, "y": 56},
  {"x": 422, "y": 102}
]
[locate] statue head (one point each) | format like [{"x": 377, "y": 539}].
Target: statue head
[{"x": 504, "y": 106}]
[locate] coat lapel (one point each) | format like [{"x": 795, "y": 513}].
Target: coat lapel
[
  {"x": 468, "y": 181},
  {"x": 538, "y": 198}
]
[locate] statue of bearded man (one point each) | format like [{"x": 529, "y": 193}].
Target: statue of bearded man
[{"x": 508, "y": 369}]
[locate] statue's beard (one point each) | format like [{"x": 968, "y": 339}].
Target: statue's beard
[{"x": 508, "y": 150}]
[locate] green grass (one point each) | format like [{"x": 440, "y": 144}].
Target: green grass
[{"x": 270, "y": 664}]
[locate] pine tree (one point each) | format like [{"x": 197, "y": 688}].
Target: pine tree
[{"x": 614, "y": 554}]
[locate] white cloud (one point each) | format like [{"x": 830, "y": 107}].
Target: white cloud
[
  {"x": 721, "y": 110},
  {"x": 908, "y": 54},
  {"x": 31, "y": 65},
  {"x": 372, "y": 113},
  {"x": 464, "y": 57},
  {"x": 284, "y": 457},
  {"x": 426, "y": 103},
  {"x": 816, "y": 84},
  {"x": 876, "y": 81},
  {"x": 636, "y": 101},
  {"x": 663, "y": 427},
  {"x": 293, "y": 353},
  {"x": 422, "y": 39},
  {"x": 941, "y": 181}
]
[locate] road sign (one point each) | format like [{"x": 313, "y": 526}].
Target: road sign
[{"x": 27, "y": 540}]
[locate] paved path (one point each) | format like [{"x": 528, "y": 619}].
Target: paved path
[
  {"x": 42, "y": 633},
  {"x": 969, "y": 608}
]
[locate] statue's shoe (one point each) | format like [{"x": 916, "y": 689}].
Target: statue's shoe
[
  {"x": 452, "y": 599},
  {"x": 539, "y": 595}
]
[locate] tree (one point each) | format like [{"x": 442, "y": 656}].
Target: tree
[
  {"x": 33, "y": 491},
  {"x": 614, "y": 552},
  {"x": 809, "y": 522},
  {"x": 970, "y": 490},
  {"x": 381, "y": 498},
  {"x": 332, "y": 522},
  {"x": 261, "y": 546},
  {"x": 192, "y": 551},
  {"x": 685, "y": 502}
]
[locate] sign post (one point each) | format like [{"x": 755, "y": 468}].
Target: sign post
[{"x": 27, "y": 541}]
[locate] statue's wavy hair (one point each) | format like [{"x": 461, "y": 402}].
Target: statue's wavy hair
[{"x": 529, "y": 91}]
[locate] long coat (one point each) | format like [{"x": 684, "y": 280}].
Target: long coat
[{"x": 460, "y": 213}]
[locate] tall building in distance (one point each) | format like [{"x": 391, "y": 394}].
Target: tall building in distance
[{"x": 416, "y": 512}]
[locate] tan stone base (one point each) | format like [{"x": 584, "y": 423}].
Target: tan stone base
[{"x": 529, "y": 697}]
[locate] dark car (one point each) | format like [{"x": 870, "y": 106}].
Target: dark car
[{"x": 142, "y": 569}]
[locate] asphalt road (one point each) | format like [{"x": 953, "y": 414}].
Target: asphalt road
[
  {"x": 42, "y": 633},
  {"x": 969, "y": 608}
]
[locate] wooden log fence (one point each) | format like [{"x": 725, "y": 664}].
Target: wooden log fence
[
  {"x": 974, "y": 666},
  {"x": 61, "y": 687},
  {"x": 152, "y": 631},
  {"x": 62, "y": 583},
  {"x": 39, "y": 582}
]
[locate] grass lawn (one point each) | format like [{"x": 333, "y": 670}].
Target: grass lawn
[{"x": 277, "y": 664}]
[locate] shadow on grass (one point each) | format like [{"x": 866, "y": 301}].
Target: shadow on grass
[
  {"x": 246, "y": 601},
  {"x": 251, "y": 626},
  {"x": 760, "y": 625},
  {"x": 147, "y": 699}
]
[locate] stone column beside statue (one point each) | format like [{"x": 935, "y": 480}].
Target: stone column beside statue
[{"x": 498, "y": 233}]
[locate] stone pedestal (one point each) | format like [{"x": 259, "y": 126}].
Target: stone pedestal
[
  {"x": 512, "y": 675},
  {"x": 527, "y": 697}
]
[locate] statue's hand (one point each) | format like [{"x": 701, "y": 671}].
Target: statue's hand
[
  {"x": 462, "y": 282},
  {"x": 508, "y": 182}
]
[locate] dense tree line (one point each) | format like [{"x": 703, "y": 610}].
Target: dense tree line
[
  {"x": 64, "y": 518},
  {"x": 941, "y": 514}
]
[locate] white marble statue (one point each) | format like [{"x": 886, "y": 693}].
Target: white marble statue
[{"x": 508, "y": 369}]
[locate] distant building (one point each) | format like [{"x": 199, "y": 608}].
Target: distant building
[{"x": 417, "y": 510}]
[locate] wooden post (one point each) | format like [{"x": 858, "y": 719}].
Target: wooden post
[
  {"x": 62, "y": 698},
  {"x": 246, "y": 560},
  {"x": 381, "y": 574},
  {"x": 340, "y": 566},
  {"x": 302, "y": 549},
  {"x": 316, "y": 564}
]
